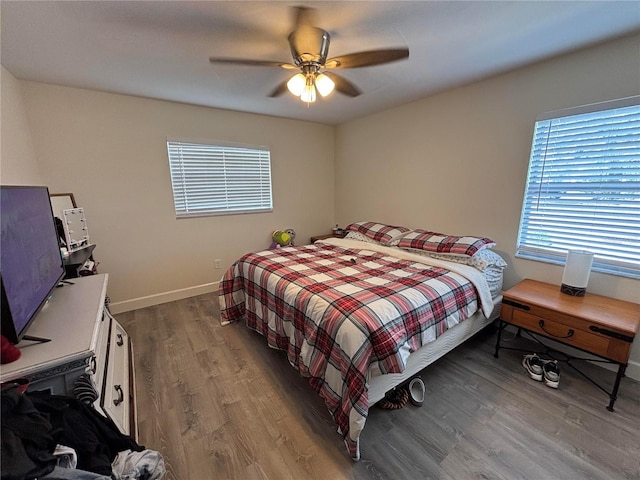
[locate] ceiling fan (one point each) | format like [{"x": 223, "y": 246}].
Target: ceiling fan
[{"x": 309, "y": 48}]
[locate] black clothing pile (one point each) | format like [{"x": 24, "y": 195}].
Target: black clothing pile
[{"x": 33, "y": 424}]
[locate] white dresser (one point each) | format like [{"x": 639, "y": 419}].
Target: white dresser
[{"x": 84, "y": 338}]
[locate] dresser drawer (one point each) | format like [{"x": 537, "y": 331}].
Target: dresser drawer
[
  {"x": 99, "y": 359},
  {"x": 568, "y": 330},
  {"x": 117, "y": 395}
]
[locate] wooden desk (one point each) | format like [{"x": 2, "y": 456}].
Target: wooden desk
[{"x": 602, "y": 326}]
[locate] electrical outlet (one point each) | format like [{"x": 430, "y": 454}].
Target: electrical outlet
[{"x": 217, "y": 263}]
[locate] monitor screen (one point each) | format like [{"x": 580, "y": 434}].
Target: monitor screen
[{"x": 30, "y": 261}]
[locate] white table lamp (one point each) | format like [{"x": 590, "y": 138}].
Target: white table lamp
[{"x": 576, "y": 272}]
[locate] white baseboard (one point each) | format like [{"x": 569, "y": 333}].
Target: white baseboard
[
  {"x": 633, "y": 370},
  {"x": 157, "y": 299}
]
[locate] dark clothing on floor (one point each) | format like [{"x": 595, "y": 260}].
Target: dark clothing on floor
[{"x": 35, "y": 422}]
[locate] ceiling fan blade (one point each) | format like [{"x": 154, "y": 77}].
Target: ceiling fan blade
[
  {"x": 365, "y": 59},
  {"x": 279, "y": 90},
  {"x": 254, "y": 63},
  {"x": 343, "y": 85}
]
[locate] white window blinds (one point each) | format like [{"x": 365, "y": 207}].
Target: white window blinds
[
  {"x": 583, "y": 187},
  {"x": 219, "y": 179}
]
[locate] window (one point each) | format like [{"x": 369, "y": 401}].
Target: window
[
  {"x": 219, "y": 179},
  {"x": 583, "y": 187}
]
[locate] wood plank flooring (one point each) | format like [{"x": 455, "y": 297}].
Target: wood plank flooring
[{"x": 219, "y": 404}]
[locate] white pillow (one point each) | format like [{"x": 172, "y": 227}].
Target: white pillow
[
  {"x": 482, "y": 260},
  {"x": 361, "y": 237}
]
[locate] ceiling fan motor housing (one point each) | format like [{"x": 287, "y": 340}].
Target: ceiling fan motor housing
[{"x": 309, "y": 45}]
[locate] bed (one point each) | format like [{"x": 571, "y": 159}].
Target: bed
[{"x": 357, "y": 316}]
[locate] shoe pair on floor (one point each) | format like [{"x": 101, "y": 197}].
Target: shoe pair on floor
[
  {"x": 540, "y": 369},
  {"x": 398, "y": 397}
]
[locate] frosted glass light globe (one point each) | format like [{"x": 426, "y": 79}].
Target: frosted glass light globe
[
  {"x": 324, "y": 84},
  {"x": 296, "y": 84}
]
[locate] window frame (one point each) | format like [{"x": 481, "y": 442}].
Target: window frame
[
  {"x": 224, "y": 196},
  {"x": 604, "y": 261}
]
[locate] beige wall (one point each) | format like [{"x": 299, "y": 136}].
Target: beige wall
[
  {"x": 18, "y": 165},
  {"x": 110, "y": 151},
  {"x": 457, "y": 162},
  {"x": 454, "y": 162}
]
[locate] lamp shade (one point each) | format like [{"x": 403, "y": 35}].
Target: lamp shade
[
  {"x": 576, "y": 272},
  {"x": 296, "y": 84},
  {"x": 324, "y": 84},
  {"x": 309, "y": 93}
]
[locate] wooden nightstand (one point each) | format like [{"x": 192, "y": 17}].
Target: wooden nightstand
[
  {"x": 328, "y": 235},
  {"x": 595, "y": 324}
]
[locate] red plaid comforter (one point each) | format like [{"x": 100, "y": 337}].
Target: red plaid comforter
[{"x": 340, "y": 312}]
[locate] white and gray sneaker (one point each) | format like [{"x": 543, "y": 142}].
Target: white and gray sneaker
[
  {"x": 551, "y": 373},
  {"x": 534, "y": 365}
]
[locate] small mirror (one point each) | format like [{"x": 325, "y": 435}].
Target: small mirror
[
  {"x": 59, "y": 203},
  {"x": 62, "y": 201},
  {"x": 75, "y": 228},
  {"x": 70, "y": 221}
]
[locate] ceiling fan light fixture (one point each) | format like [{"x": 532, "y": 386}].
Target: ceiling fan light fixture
[
  {"x": 309, "y": 93},
  {"x": 324, "y": 84},
  {"x": 309, "y": 47},
  {"x": 296, "y": 84}
]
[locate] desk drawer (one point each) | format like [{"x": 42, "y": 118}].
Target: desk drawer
[{"x": 568, "y": 332}]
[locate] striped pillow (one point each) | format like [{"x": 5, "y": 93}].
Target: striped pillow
[
  {"x": 440, "y": 243},
  {"x": 377, "y": 231}
]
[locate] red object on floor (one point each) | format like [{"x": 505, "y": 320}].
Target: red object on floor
[{"x": 9, "y": 352}]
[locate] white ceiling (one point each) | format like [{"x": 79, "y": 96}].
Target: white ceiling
[{"x": 160, "y": 49}]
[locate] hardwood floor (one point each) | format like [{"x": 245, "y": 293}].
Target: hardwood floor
[{"x": 219, "y": 404}]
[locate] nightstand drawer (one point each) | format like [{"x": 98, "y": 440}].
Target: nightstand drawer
[{"x": 567, "y": 330}]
